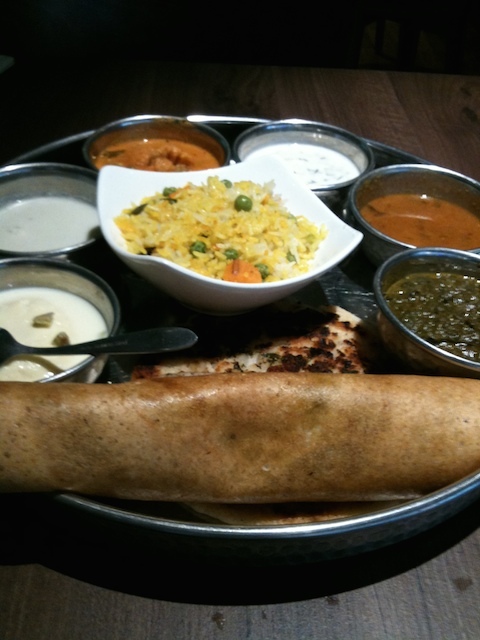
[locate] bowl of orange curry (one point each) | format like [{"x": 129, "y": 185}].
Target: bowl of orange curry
[
  {"x": 156, "y": 143},
  {"x": 407, "y": 206}
]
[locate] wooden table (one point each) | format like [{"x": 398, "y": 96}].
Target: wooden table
[{"x": 57, "y": 582}]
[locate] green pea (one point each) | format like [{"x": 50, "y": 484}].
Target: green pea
[
  {"x": 227, "y": 183},
  {"x": 168, "y": 191},
  {"x": 243, "y": 203},
  {"x": 198, "y": 246},
  {"x": 137, "y": 210},
  {"x": 231, "y": 254},
  {"x": 291, "y": 257},
  {"x": 264, "y": 270}
]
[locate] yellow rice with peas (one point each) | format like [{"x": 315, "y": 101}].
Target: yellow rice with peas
[{"x": 217, "y": 227}]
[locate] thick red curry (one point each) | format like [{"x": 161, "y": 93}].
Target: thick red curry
[{"x": 159, "y": 154}]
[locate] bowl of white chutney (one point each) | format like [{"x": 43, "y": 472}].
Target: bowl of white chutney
[
  {"x": 327, "y": 159},
  {"x": 47, "y": 209}
]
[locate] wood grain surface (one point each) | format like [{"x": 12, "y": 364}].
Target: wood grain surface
[{"x": 61, "y": 581}]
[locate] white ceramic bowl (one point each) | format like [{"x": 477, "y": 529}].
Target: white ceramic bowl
[{"x": 120, "y": 188}]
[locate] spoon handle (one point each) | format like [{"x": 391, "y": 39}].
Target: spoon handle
[{"x": 156, "y": 340}]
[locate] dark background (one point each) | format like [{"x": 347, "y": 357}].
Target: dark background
[{"x": 432, "y": 37}]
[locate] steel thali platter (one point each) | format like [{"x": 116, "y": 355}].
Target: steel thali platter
[{"x": 173, "y": 529}]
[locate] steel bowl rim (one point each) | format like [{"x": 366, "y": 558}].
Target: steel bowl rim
[{"x": 63, "y": 167}]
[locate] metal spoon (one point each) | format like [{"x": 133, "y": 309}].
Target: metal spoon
[{"x": 156, "y": 340}]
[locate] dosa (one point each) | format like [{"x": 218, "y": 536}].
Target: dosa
[{"x": 243, "y": 438}]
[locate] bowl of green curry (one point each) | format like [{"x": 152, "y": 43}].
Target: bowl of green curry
[{"x": 429, "y": 310}]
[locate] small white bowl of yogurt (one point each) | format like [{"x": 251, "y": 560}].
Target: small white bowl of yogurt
[
  {"x": 44, "y": 303},
  {"x": 47, "y": 209},
  {"x": 327, "y": 159}
]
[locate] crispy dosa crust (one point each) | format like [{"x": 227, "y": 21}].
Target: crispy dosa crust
[
  {"x": 284, "y": 337},
  {"x": 242, "y": 438}
]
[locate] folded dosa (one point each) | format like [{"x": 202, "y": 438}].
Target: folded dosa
[{"x": 243, "y": 438}]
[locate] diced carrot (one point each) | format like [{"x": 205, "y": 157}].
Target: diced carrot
[{"x": 241, "y": 271}]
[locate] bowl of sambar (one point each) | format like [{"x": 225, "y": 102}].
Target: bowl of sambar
[{"x": 407, "y": 206}]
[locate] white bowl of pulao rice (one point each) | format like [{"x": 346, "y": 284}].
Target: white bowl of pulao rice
[{"x": 223, "y": 241}]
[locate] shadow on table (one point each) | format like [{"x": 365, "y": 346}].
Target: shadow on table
[{"x": 108, "y": 564}]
